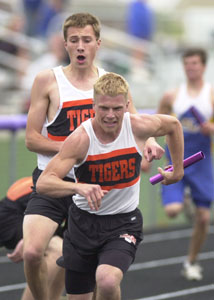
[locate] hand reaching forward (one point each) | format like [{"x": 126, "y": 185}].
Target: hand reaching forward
[
  {"x": 93, "y": 193},
  {"x": 152, "y": 150},
  {"x": 17, "y": 254}
]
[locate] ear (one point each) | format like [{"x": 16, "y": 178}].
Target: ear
[
  {"x": 127, "y": 105},
  {"x": 98, "y": 43},
  {"x": 66, "y": 45}
]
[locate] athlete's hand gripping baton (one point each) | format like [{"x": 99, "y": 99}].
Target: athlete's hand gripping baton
[{"x": 186, "y": 163}]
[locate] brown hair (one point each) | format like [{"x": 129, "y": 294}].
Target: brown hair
[
  {"x": 81, "y": 20},
  {"x": 196, "y": 51}
]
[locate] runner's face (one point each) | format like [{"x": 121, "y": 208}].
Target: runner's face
[
  {"x": 81, "y": 46},
  {"x": 109, "y": 112},
  {"x": 194, "y": 68}
]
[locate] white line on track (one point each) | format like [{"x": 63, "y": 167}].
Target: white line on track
[
  {"x": 4, "y": 259},
  {"x": 150, "y": 238},
  {"x": 171, "y": 235},
  {"x": 167, "y": 262},
  {"x": 171, "y": 295},
  {"x": 12, "y": 287}
]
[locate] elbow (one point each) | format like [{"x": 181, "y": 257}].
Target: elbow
[
  {"x": 177, "y": 127},
  {"x": 28, "y": 143},
  {"x": 41, "y": 186}
]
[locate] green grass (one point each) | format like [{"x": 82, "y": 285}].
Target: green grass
[{"x": 14, "y": 165}]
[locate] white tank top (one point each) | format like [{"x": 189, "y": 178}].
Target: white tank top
[
  {"x": 115, "y": 167},
  {"x": 202, "y": 102},
  {"x": 75, "y": 106}
]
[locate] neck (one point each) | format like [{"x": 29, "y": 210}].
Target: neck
[
  {"x": 195, "y": 84},
  {"x": 82, "y": 73},
  {"x": 103, "y": 136}
]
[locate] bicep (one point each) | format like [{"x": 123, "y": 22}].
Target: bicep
[
  {"x": 38, "y": 108},
  {"x": 60, "y": 165},
  {"x": 154, "y": 125}
]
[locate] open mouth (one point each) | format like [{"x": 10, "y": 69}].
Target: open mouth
[{"x": 81, "y": 58}]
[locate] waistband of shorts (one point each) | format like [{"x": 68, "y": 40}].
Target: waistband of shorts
[{"x": 86, "y": 213}]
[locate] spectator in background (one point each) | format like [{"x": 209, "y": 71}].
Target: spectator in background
[
  {"x": 31, "y": 9},
  {"x": 56, "y": 55},
  {"x": 39, "y": 14},
  {"x": 10, "y": 44},
  {"x": 140, "y": 20},
  {"x": 47, "y": 12},
  {"x": 140, "y": 23}
]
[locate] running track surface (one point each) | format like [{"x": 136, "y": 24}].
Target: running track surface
[{"x": 155, "y": 274}]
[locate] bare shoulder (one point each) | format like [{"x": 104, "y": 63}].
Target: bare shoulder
[
  {"x": 169, "y": 96},
  {"x": 165, "y": 105},
  {"x": 44, "y": 77},
  {"x": 140, "y": 122}
]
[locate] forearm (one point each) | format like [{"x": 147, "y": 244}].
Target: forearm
[
  {"x": 175, "y": 143},
  {"x": 55, "y": 187},
  {"x": 40, "y": 144}
]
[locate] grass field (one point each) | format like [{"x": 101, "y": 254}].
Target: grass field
[{"x": 19, "y": 162}]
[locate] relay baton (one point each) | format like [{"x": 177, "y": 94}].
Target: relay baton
[
  {"x": 197, "y": 115},
  {"x": 186, "y": 163}
]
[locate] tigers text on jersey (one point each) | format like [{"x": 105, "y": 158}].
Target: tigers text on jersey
[
  {"x": 75, "y": 106},
  {"x": 115, "y": 167}
]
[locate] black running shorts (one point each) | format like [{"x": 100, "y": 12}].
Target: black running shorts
[{"x": 92, "y": 240}]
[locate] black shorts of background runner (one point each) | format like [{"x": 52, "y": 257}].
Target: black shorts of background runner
[{"x": 55, "y": 209}]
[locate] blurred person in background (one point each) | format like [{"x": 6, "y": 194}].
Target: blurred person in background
[
  {"x": 140, "y": 20},
  {"x": 61, "y": 98},
  {"x": 38, "y": 15},
  {"x": 197, "y": 137},
  {"x": 140, "y": 23},
  {"x": 47, "y": 12},
  {"x": 10, "y": 44},
  {"x": 55, "y": 55},
  {"x": 31, "y": 12},
  {"x": 12, "y": 208}
]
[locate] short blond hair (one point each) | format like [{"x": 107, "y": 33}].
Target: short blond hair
[
  {"x": 111, "y": 84},
  {"x": 81, "y": 20}
]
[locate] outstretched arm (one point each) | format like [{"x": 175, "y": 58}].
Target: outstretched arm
[
  {"x": 162, "y": 125},
  {"x": 73, "y": 152}
]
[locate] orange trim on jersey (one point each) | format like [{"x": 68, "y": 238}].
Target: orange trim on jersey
[
  {"x": 20, "y": 188},
  {"x": 56, "y": 138},
  {"x": 112, "y": 154},
  {"x": 77, "y": 102},
  {"x": 120, "y": 186}
]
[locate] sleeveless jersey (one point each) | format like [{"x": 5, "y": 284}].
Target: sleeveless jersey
[
  {"x": 75, "y": 106},
  {"x": 115, "y": 167},
  {"x": 199, "y": 177},
  {"x": 194, "y": 140}
]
